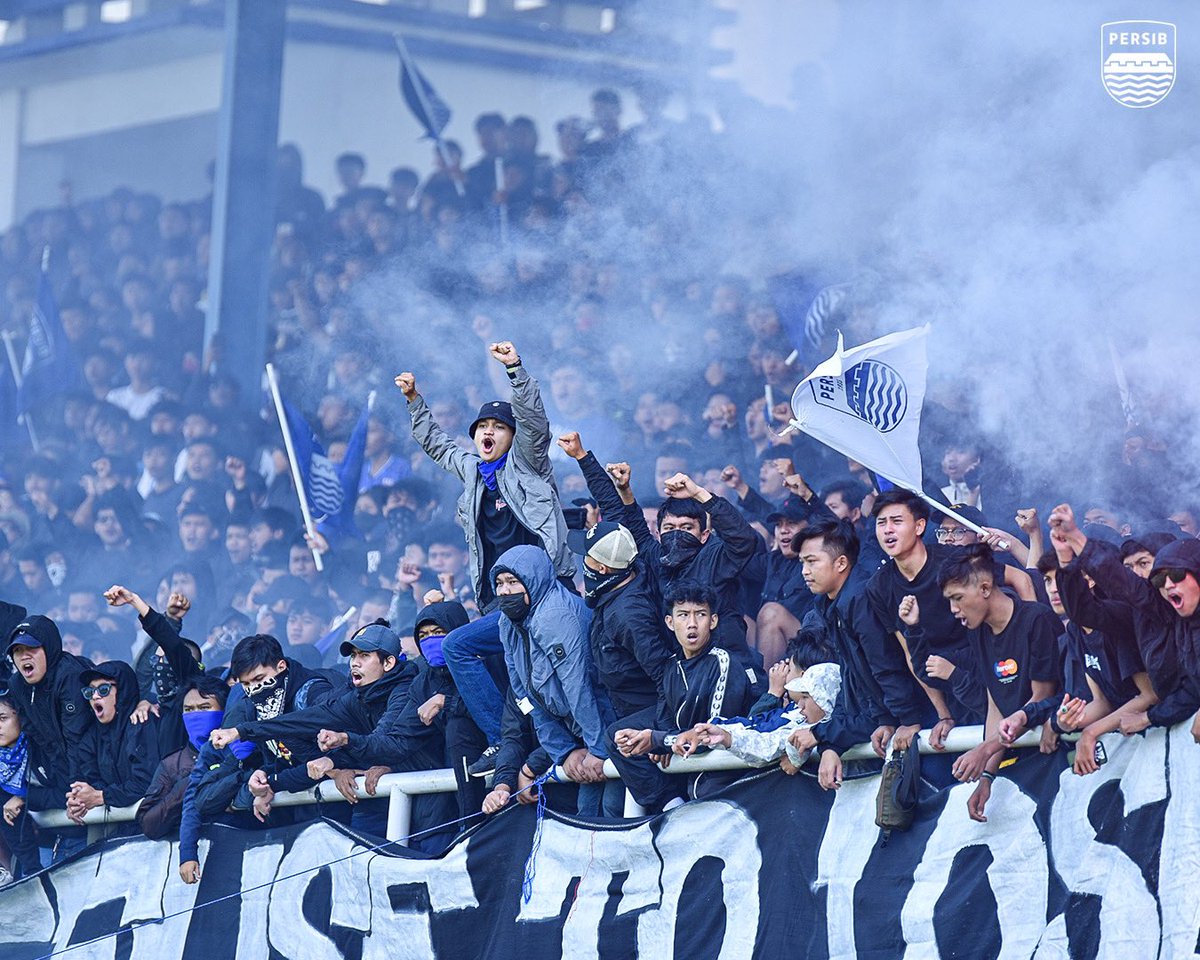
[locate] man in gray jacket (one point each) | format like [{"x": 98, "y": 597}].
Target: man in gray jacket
[{"x": 509, "y": 499}]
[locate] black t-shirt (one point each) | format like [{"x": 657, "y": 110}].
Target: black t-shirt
[
  {"x": 943, "y": 633},
  {"x": 1026, "y": 650},
  {"x": 1110, "y": 665},
  {"x": 499, "y": 530}
]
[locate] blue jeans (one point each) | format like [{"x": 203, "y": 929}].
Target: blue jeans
[
  {"x": 605, "y": 799},
  {"x": 70, "y": 840},
  {"x": 464, "y": 649}
]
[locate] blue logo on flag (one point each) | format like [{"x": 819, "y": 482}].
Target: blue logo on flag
[{"x": 876, "y": 393}]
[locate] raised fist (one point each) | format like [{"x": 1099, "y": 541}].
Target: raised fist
[
  {"x": 572, "y": 445},
  {"x": 505, "y": 352},
  {"x": 407, "y": 384}
]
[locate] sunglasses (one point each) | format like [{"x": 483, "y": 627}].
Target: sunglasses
[
  {"x": 1159, "y": 578},
  {"x": 101, "y": 691}
]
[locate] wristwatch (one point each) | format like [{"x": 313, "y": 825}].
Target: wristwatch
[{"x": 669, "y": 739}]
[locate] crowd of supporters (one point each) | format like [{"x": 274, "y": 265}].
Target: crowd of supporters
[{"x": 628, "y": 564}]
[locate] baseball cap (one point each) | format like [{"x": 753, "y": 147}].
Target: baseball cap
[
  {"x": 792, "y": 510},
  {"x": 97, "y": 674},
  {"x": 374, "y": 636},
  {"x": 37, "y": 631},
  {"x": 608, "y": 543}
]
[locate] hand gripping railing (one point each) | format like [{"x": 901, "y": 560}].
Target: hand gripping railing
[{"x": 400, "y": 788}]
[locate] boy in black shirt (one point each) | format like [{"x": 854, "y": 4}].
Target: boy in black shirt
[
  {"x": 1014, "y": 656},
  {"x": 912, "y": 570}
]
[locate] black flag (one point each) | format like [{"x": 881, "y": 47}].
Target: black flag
[{"x": 429, "y": 109}]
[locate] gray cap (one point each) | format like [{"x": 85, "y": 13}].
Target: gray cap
[{"x": 374, "y": 636}]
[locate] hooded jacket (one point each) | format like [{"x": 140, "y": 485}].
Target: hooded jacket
[
  {"x": 183, "y": 666},
  {"x": 431, "y": 680},
  {"x": 526, "y": 481},
  {"x": 285, "y": 759},
  {"x": 120, "y": 757},
  {"x": 373, "y": 716},
  {"x": 1169, "y": 644},
  {"x": 54, "y": 715},
  {"x": 629, "y": 644},
  {"x": 549, "y": 659}
]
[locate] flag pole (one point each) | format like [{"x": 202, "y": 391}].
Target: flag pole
[
  {"x": 948, "y": 511},
  {"x": 297, "y": 479},
  {"x": 419, "y": 88},
  {"x": 19, "y": 380}
]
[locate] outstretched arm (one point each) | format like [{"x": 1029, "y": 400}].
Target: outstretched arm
[
  {"x": 435, "y": 441},
  {"x": 532, "y": 441}
]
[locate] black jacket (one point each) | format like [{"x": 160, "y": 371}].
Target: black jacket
[
  {"x": 56, "y": 718},
  {"x": 629, "y": 645},
  {"x": 711, "y": 685},
  {"x": 1169, "y": 644},
  {"x": 285, "y": 757},
  {"x": 120, "y": 757},
  {"x": 719, "y": 564},
  {"x": 877, "y": 686},
  {"x": 377, "y": 718},
  {"x": 518, "y": 746},
  {"x": 162, "y": 633}
]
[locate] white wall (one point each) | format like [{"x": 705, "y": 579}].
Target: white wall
[
  {"x": 103, "y": 120},
  {"x": 336, "y": 99}
]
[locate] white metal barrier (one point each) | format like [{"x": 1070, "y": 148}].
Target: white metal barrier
[{"x": 400, "y": 788}]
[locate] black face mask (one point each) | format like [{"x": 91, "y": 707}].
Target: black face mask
[
  {"x": 596, "y": 584},
  {"x": 515, "y": 606},
  {"x": 368, "y": 523},
  {"x": 678, "y": 547}
]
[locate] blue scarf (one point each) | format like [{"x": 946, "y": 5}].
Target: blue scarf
[
  {"x": 14, "y": 767},
  {"x": 489, "y": 470}
]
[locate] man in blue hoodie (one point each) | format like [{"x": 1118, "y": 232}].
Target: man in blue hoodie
[{"x": 544, "y": 629}]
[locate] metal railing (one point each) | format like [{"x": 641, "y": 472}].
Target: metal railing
[{"x": 400, "y": 788}]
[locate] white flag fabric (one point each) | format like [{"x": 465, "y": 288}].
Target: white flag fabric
[{"x": 866, "y": 402}]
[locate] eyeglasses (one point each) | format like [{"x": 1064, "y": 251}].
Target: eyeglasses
[
  {"x": 1160, "y": 577},
  {"x": 258, "y": 686},
  {"x": 101, "y": 691},
  {"x": 951, "y": 533}
]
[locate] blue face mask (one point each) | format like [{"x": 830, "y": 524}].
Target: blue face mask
[
  {"x": 431, "y": 650},
  {"x": 200, "y": 723}
]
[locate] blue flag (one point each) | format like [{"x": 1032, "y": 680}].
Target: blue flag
[
  {"x": 50, "y": 368},
  {"x": 427, "y": 107},
  {"x": 349, "y": 473},
  {"x": 321, "y": 483}
]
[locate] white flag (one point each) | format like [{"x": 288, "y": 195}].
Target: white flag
[{"x": 866, "y": 403}]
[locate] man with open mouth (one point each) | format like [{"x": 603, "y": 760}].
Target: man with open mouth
[
  {"x": 118, "y": 756},
  {"x": 372, "y": 729},
  {"x": 1164, "y": 606},
  {"x": 45, "y": 686},
  {"x": 509, "y": 499}
]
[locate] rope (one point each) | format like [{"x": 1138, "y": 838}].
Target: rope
[
  {"x": 138, "y": 924},
  {"x": 531, "y": 860}
]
